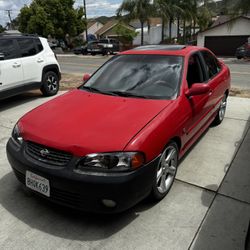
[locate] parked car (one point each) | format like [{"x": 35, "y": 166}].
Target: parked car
[
  {"x": 80, "y": 50},
  {"x": 243, "y": 51},
  {"x": 27, "y": 62},
  {"x": 119, "y": 137},
  {"x": 104, "y": 47}
]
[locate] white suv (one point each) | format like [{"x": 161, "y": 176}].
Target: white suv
[{"x": 27, "y": 62}]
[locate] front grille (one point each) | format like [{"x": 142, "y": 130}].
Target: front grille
[{"x": 47, "y": 155}]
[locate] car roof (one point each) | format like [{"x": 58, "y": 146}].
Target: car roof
[
  {"x": 178, "y": 50},
  {"x": 16, "y": 36}
]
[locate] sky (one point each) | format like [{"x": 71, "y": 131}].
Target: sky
[{"x": 94, "y": 8}]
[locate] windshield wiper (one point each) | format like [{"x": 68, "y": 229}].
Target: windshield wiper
[
  {"x": 92, "y": 89},
  {"x": 129, "y": 94}
]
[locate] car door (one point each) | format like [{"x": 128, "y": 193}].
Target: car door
[
  {"x": 198, "y": 105},
  {"x": 11, "y": 72},
  {"x": 214, "y": 78},
  {"x": 32, "y": 61}
]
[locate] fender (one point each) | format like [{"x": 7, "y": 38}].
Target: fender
[{"x": 52, "y": 67}]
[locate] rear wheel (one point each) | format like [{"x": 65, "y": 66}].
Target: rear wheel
[
  {"x": 50, "y": 83},
  {"x": 221, "y": 112},
  {"x": 166, "y": 172}
]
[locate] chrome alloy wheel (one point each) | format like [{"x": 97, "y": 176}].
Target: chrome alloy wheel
[
  {"x": 222, "y": 109},
  {"x": 167, "y": 169},
  {"x": 52, "y": 83}
]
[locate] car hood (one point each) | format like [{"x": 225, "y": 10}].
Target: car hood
[{"x": 81, "y": 122}]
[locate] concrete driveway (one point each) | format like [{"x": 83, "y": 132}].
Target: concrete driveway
[{"x": 207, "y": 208}]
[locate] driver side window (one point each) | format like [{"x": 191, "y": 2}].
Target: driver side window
[{"x": 194, "y": 73}]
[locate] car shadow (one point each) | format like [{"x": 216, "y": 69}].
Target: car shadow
[
  {"x": 61, "y": 221},
  {"x": 19, "y": 99}
]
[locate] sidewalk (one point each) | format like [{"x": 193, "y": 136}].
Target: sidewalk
[{"x": 226, "y": 224}]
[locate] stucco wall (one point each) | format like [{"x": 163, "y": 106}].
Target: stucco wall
[
  {"x": 240, "y": 27},
  {"x": 154, "y": 34}
]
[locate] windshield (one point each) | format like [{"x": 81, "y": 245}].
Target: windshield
[{"x": 145, "y": 76}]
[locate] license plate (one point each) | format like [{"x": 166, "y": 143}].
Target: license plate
[{"x": 37, "y": 183}]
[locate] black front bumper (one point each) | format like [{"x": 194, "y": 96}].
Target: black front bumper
[{"x": 85, "y": 191}]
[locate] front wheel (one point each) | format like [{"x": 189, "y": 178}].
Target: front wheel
[
  {"x": 221, "y": 112},
  {"x": 50, "y": 83},
  {"x": 166, "y": 172}
]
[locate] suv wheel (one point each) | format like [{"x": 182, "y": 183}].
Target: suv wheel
[{"x": 50, "y": 83}]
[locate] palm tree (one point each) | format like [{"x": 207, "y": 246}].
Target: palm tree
[
  {"x": 136, "y": 9},
  {"x": 173, "y": 7},
  {"x": 160, "y": 7}
]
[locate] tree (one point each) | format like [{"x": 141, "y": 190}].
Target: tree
[
  {"x": 52, "y": 17},
  {"x": 2, "y": 29},
  {"x": 126, "y": 34},
  {"x": 243, "y": 7},
  {"x": 136, "y": 9}
]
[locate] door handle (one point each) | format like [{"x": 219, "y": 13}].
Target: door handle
[
  {"x": 210, "y": 92},
  {"x": 39, "y": 60},
  {"x": 16, "y": 65}
]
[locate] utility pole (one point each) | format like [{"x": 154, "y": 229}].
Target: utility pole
[
  {"x": 9, "y": 14},
  {"x": 85, "y": 13}
]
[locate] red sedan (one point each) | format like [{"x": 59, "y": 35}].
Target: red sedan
[{"x": 118, "y": 138}]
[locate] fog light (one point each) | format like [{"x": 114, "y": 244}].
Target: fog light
[{"x": 108, "y": 203}]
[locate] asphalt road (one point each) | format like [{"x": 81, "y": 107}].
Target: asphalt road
[
  {"x": 207, "y": 208},
  {"x": 71, "y": 64}
]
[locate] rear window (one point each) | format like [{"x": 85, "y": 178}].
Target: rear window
[
  {"x": 27, "y": 47},
  {"x": 150, "y": 76},
  {"x": 38, "y": 44},
  {"x": 211, "y": 63}
]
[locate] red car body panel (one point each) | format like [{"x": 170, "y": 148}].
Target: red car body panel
[{"x": 81, "y": 123}]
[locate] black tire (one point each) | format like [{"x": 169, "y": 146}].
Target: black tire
[
  {"x": 221, "y": 112},
  {"x": 50, "y": 83},
  {"x": 239, "y": 57},
  {"x": 157, "y": 192},
  {"x": 104, "y": 52}
]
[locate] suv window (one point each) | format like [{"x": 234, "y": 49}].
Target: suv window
[
  {"x": 195, "y": 72},
  {"x": 104, "y": 41},
  {"x": 38, "y": 44},
  {"x": 27, "y": 47},
  {"x": 7, "y": 47},
  {"x": 211, "y": 64}
]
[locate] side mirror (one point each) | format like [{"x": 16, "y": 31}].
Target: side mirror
[
  {"x": 85, "y": 77},
  {"x": 197, "y": 89},
  {"x": 1, "y": 56}
]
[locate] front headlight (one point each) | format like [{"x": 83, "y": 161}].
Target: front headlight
[
  {"x": 16, "y": 136},
  {"x": 117, "y": 161}
]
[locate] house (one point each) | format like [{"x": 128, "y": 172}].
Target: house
[
  {"x": 108, "y": 29},
  {"x": 93, "y": 26},
  {"x": 225, "y": 35},
  {"x": 153, "y": 31}
]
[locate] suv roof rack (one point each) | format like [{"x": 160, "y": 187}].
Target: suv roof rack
[{"x": 161, "y": 47}]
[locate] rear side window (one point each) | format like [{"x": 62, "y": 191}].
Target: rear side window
[
  {"x": 38, "y": 44},
  {"x": 211, "y": 64},
  {"x": 8, "y": 49},
  {"x": 27, "y": 47}
]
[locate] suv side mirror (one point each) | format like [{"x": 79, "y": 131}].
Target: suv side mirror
[
  {"x": 85, "y": 77},
  {"x": 197, "y": 89},
  {"x": 1, "y": 56}
]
